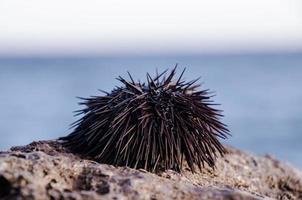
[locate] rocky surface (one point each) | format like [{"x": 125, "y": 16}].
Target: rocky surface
[{"x": 45, "y": 170}]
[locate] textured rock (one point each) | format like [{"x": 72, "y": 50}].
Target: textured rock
[{"x": 45, "y": 170}]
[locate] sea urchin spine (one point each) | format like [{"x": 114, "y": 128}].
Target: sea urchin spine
[{"x": 154, "y": 125}]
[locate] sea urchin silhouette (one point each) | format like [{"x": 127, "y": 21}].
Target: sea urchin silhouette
[{"x": 154, "y": 125}]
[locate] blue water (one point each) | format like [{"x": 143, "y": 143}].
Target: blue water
[{"x": 261, "y": 95}]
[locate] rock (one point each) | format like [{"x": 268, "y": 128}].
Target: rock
[{"x": 45, "y": 170}]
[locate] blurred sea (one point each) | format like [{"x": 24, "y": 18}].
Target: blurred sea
[{"x": 261, "y": 95}]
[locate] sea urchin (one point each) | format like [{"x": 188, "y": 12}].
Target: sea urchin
[{"x": 154, "y": 125}]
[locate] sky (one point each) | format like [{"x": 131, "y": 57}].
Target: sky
[{"x": 72, "y": 27}]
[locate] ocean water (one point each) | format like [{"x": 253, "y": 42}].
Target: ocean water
[{"x": 261, "y": 95}]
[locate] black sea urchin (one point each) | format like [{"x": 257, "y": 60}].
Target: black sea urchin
[{"x": 154, "y": 126}]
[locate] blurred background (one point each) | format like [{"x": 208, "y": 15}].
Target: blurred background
[{"x": 249, "y": 53}]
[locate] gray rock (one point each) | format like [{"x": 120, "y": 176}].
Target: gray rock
[{"x": 45, "y": 170}]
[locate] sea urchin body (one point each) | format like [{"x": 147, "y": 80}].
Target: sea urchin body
[{"x": 154, "y": 125}]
